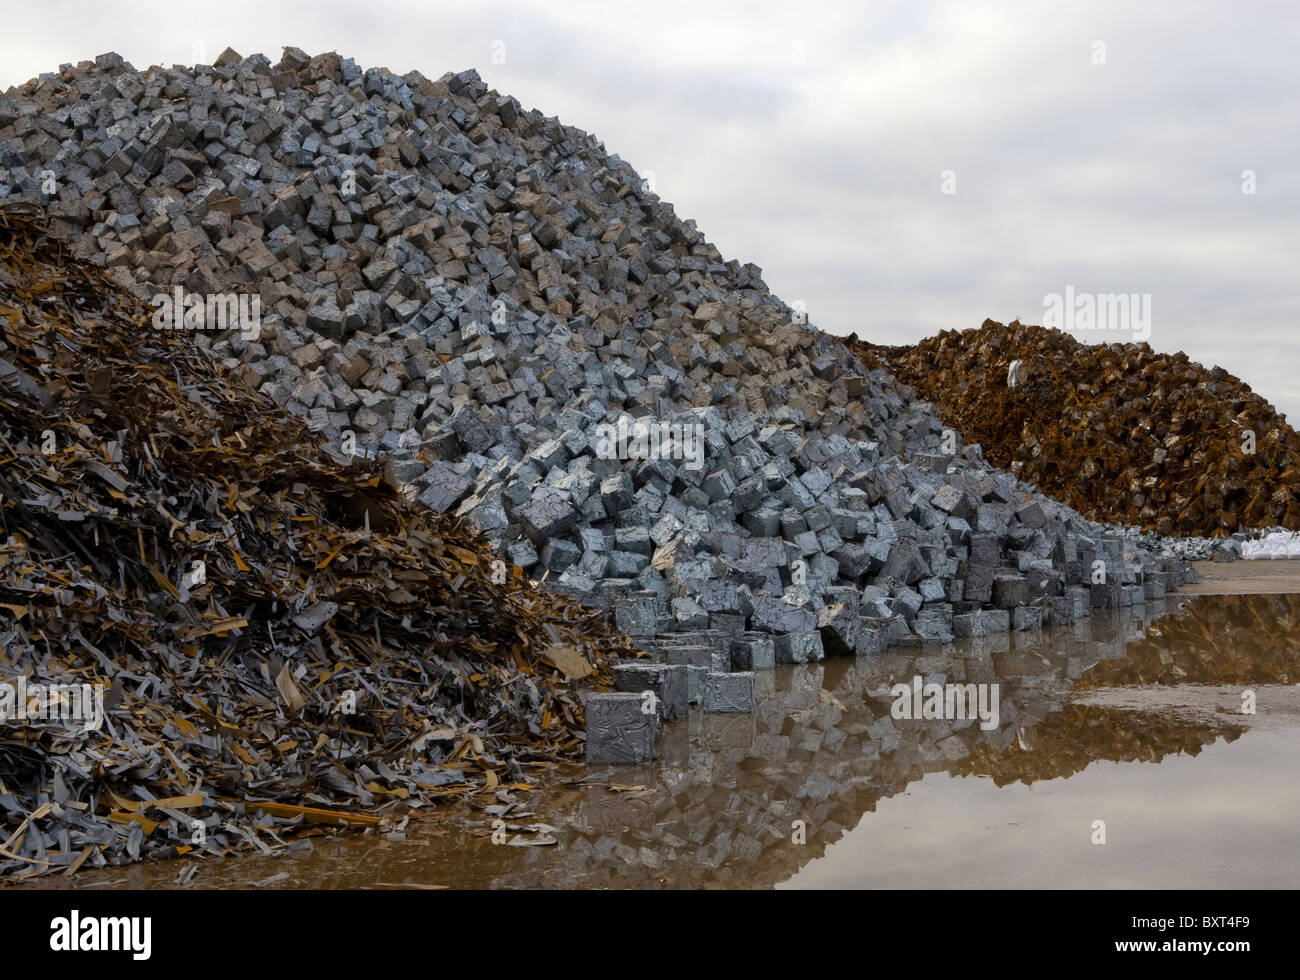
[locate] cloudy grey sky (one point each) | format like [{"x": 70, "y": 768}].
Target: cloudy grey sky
[{"x": 1099, "y": 145}]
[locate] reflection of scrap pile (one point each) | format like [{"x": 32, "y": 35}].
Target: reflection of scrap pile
[
  {"x": 1231, "y": 640},
  {"x": 822, "y": 748},
  {"x": 1070, "y": 740}
]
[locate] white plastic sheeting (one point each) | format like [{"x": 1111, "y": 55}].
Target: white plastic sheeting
[{"x": 1279, "y": 544}]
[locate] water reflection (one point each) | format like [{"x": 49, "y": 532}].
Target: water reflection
[
  {"x": 747, "y": 801},
  {"x": 1231, "y": 640}
]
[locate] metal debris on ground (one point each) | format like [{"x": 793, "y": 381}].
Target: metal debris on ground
[{"x": 270, "y": 638}]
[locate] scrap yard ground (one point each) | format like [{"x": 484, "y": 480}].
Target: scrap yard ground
[{"x": 1246, "y": 578}]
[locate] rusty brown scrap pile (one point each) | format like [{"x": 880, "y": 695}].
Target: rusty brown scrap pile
[
  {"x": 1118, "y": 431},
  {"x": 270, "y": 625}
]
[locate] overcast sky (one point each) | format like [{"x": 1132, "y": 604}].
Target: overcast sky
[{"x": 1099, "y": 146}]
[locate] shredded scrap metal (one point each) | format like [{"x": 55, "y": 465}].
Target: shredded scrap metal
[
  {"x": 1120, "y": 432},
  {"x": 279, "y": 637}
]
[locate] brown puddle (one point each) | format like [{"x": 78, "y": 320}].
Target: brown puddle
[{"x": 822, "y": 787}]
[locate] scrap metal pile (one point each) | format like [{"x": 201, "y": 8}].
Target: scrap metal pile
[
  {"x": 273, "y": 632},
  {"x": 544, "y": 347},
  {"x": 535, "y": 344},
  {"x": 1120, "y": 432}
]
